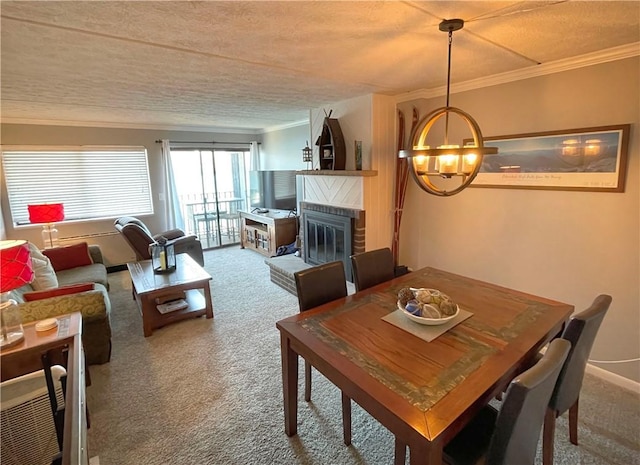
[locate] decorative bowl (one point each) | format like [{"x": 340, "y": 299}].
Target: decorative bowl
[{"x": 428, "y": 321}]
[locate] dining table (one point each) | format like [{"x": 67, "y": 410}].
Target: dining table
[{"x": 424, "y": 384}]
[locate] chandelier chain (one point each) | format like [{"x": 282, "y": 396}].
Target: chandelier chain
[{"x": 446, "y": 122}]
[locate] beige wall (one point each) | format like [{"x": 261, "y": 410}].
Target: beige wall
[{"x": 568, "y": 246}]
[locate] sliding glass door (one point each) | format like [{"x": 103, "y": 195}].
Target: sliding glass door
[{"x": 212, "y": 188}]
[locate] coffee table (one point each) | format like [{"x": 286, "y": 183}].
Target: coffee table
[{"x": 148, "y": 286}]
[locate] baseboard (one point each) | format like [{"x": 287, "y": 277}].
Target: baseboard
[
  {"x": 610, "y": 377},
  {"x": 618, "y": 380}
]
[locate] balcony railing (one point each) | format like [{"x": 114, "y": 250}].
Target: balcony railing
[{"x": 215, "y": 223}]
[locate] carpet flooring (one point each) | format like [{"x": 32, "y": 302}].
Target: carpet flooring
[{"x": 209, "y": 391}]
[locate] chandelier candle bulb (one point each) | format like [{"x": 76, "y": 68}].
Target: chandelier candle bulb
[
  {"x": 469, "y": 162},
  {"x": 448, "y": 162},
  {"x": 421, "y": 163}
]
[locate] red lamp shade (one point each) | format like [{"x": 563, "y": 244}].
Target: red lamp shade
[
  {"x": 15, "y": 265},
  {"x": 46, "y": 213}
]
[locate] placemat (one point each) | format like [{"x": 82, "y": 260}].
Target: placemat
[{"x": 428, "y": 333}]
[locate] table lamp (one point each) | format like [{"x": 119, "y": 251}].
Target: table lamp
[
  {"x": 15, "y": 271},
  {"x": 48, "y": 213}
]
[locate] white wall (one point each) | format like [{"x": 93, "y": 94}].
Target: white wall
[
  {"x": 354, "y": 116},
  {"x": 567, "y": 246},
  {"x": 282, "y": 149},
  {"x": 370, "y": 119}
]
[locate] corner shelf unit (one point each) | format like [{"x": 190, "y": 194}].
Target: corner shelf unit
[{"x": 332, "y": 149}]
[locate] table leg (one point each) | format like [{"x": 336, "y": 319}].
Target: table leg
[
  {"x": 425, "y": 453},
  {"x": 147, "y": 306},
  {"x": 208, "y": 301},
  {"x": 289, "y": 386}
]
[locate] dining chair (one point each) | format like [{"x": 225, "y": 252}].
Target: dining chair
[
  {"x": 581, "y": 333},
  {"x": 316, "y": 286},
  {"x": 508, "y": 436},
  {"x": 374, "y": 267}
]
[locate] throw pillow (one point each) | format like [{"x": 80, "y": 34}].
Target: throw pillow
[
  {"x": 64, "y": 290},
  {"x": 71, "y": 256},
  {"x": 44, "y": 276}
]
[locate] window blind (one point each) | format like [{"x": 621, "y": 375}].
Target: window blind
[{"x": 91, "y": 182}]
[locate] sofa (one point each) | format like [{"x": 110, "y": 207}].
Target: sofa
[{"x": 66, "y": 280}]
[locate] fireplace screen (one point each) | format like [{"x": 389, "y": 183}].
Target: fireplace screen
[{"x": 327, "y": 238}]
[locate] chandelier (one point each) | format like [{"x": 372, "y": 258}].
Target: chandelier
[{"x": 449, "y": 162}]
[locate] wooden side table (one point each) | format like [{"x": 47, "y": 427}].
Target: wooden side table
[{"x": 26, "y": 358}]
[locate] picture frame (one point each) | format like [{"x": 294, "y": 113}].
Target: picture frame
[{"x": 585, "y": 159}]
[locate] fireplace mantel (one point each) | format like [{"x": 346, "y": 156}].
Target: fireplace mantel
[{"x": 363, "y": 173}]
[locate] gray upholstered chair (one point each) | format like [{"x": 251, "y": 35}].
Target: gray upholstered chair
[
  {"x": 581, "y": 332},
  {"x": 316, "y": 286},
  {"x": 138, "y": 236},
  {"x": 509, "y": 436},
  {"x": 374, "y": 267}
]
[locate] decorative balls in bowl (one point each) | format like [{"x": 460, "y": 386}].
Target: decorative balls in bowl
[{"x": 426, "y": 306}]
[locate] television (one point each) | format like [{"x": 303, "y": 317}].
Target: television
[{"x": 274, "y": 189}]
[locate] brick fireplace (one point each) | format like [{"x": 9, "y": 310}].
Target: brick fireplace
[{"x": 336, "y": 202}]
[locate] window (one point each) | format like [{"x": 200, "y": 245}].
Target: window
[{"x": 91, "y": 182}]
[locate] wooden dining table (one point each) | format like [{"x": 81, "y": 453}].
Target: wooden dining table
[{"x": 423, "y": 392}]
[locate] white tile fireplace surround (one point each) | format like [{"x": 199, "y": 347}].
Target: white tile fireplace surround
[
  {"x": 332, "y": 209},
  {"x": 344, "y": 189}
]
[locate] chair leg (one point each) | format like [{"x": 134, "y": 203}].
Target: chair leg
[
  {"x": 400, "y": 453},
  {"x": 573, "y": 423},
  {"x": 307, "y": 381},
  {"x": 549, "y": 431},
  {"x": 346, "y": 419}
]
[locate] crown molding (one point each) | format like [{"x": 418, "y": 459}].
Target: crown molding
[
  {"x": 281, "y": 127},
  {"x": 603, "y": 56},
  {"x": 155, "y": 127}
]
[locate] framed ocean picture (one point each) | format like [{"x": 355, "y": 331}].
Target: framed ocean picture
[{"x": 587, "y": 159}]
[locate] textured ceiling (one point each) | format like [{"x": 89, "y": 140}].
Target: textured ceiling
[{"x": 253, "y": 65}]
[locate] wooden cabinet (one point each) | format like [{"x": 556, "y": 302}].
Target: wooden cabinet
[
  {"x": 332, "y": 149},
  {"x": 265, "y": 232}
]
